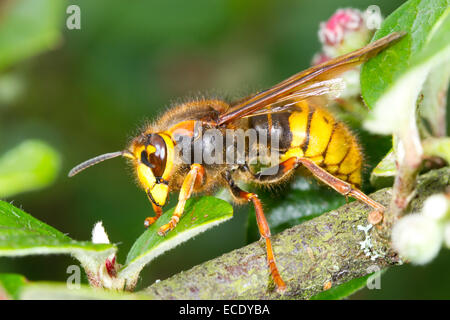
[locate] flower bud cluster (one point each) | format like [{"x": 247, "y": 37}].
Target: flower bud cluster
[{"x": 347, "y": 30}]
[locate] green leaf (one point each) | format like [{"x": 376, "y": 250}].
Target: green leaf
[
  {"x": 384, "y": 173},
  {"x": 60, "y": 291},
  {"x": 11, "y": 285},
  {"x": 432, "y": 107},
  {"x": 392, "y": 81},
  {"x": 21, "y": 234},
  {"x": 12, "y": 86},
  {"x": 437, "y": 147},
  {"x": 199, "y": 215},
  {"x": 31, "y": 165},
  {"x": 28, "y": 27},
  {"x": 346, "y": 289},
  {"x": 15, "y": 286}
]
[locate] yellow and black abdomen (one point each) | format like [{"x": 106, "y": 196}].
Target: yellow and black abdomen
[{"x": 310, "y": 131}]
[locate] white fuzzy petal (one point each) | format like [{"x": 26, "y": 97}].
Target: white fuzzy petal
[
  {"x": 436, "y": 207},
  {"x": 417, "y": 238},
  {"x": 99, "y": 234}
]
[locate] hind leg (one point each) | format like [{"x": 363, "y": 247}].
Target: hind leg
[
  {"x": 343, "y": 188},
  {"x": 337, "y": 184}
]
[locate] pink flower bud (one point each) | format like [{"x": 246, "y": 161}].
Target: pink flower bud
[
  {"x": 332, "y": 32},
  {"x": 347, "y": 30}
]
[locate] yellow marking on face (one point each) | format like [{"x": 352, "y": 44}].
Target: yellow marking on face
[
  {"x": 159, "y": 193},
  {"x": 137, "y": 152},
  {"x": 145, "y": 176},
  {"x": 298, "y": 122},
  {"x": 128, "y": 154},
  {"x": 321, "y": 127},
  {"x": 170, "y": 155}
]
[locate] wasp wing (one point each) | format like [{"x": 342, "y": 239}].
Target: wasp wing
[
  {"x": 331, "y": 88},
  {"x": 308, "y": 83}
]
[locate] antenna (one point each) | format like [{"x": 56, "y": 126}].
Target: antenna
[{"x": 101, "y": 158}]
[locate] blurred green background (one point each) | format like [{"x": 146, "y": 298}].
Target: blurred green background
[{"x": 94, "y": 87}]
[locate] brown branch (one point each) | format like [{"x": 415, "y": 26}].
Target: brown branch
[{"x": 323, "y": 250}]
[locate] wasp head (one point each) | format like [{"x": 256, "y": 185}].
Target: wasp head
[{"x": 153, "y": 158}]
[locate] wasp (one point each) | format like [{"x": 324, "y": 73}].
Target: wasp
[{"x": 308, "y": 135}]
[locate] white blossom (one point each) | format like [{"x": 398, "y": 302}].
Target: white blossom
[
  {"x": 436, "y": 207},
  {"x": 417, "y": 238}
]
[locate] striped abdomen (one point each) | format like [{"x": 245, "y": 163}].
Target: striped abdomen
[{"x": 312, "y": 132}]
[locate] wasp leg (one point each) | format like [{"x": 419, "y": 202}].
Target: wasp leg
[
  {"x": 197, "y": 171},
  {"x": 337, "y": 184},
  {"x": 340, "y": 186},
  {"x": 263, "y": 227},
  {"x": 158, "y": 212}
]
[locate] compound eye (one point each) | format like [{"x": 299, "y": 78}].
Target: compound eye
[{"x": 157, "y": 158}]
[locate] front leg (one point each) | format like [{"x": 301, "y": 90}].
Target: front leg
[
  {"x": 158, "y": 211},
  {"x": 195, "y": 175}
]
